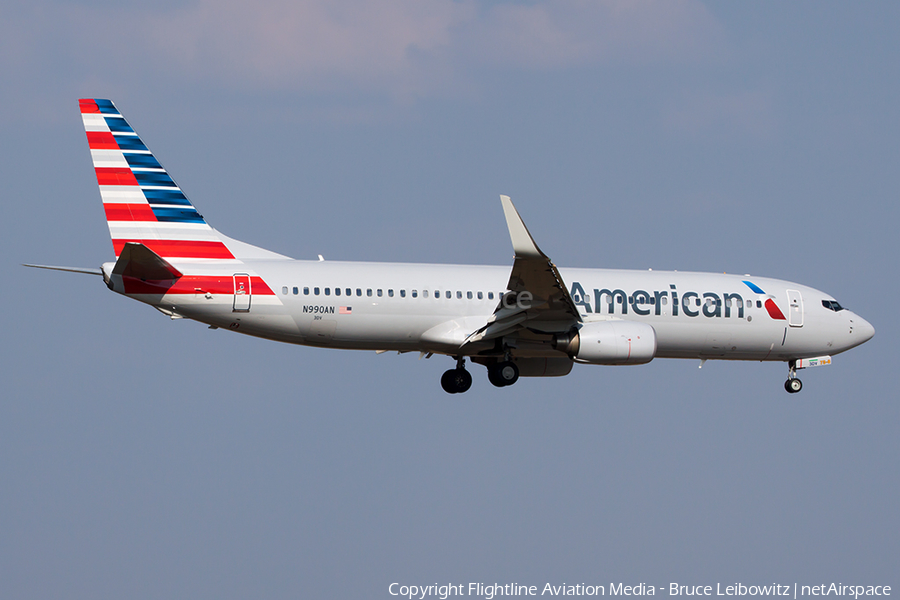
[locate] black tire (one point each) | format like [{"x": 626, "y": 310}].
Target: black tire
[
  {"x": 503, "y": 373},
  {"x": 792, "y": 386},
  {"x": 463, "y": 380},
  {"x": 448, "y": 381},
  {"x": 456, "y": 381},
  {"x": 494, "y": 376}
]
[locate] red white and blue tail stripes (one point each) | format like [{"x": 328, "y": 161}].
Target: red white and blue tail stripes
[{"x": 142, "y": 202}]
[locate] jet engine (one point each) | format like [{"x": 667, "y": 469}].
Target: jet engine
[{"x": 610, "y": 343}]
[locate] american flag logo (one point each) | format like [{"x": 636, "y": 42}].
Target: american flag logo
[{"x": 345, "y": 310}]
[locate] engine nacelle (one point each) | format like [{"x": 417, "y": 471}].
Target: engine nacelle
[{"x": 610, "y": 343}]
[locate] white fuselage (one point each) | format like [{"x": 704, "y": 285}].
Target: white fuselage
[{"x": 432, "y": 307}]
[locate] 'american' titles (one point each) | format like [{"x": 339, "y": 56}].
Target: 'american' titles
[{"x": 644, "y": 303}]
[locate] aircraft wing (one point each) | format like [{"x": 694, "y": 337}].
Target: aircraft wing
[{"x": 538, "y": 299}]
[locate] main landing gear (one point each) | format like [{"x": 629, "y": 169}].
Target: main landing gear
[
  {"x": 792, "y": 385},
  {"x": 458, "y": 380},
  {"x": 503, "y": 373}
]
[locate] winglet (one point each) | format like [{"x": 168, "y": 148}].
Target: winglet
[{"x": 523, "y": 243}]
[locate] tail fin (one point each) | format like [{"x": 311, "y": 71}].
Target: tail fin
[{"x": 143, "y": 203}]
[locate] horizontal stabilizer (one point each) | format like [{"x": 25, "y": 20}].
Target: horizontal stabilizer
[
  {"x": 139, "y": 261},
  {"x": 69, "y": 269}
]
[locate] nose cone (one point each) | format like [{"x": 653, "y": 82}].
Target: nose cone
[
  {"x": 858, "y": 331},
  {"x": 863, "y": 329}
]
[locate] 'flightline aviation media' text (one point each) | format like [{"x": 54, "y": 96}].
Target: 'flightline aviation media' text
[{"x": 490, "y": 591}]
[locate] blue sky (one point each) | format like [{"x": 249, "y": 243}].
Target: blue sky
[{"x": 148, "y": 458}]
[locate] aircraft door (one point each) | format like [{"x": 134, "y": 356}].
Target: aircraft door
[
  {"x": 241, "y": 292},
  {"x": 795, "y": 308}
]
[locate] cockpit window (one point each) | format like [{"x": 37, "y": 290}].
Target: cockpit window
[{"x": 832, "y": 305}]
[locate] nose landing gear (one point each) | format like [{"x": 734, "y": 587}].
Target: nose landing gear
[{"x": 792, "y": 385}]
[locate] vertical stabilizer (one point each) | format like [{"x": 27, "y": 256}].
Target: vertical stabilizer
[{"x": 143, "y": 203}]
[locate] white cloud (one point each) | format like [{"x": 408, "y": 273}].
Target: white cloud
[
  {"x": 312, "y": 44},
  {"x": 573, "y": 32},
  {"x": 397, "y": 48}
]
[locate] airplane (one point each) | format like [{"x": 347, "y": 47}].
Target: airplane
[{"x": 528, "y": 320}]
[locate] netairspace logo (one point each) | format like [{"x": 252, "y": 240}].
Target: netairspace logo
[{"x": 489, "y": 591}]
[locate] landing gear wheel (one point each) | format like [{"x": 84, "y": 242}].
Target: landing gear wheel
[
  {"x": 456, "y": 381},
  {"x": 503, "y": 373},
  {"x": 447, "y": 381},
  {"x": 793, "y": 385},
  {"x": 494, "y": 376}
]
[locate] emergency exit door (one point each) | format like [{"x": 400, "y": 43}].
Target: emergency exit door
[{"x": 241, "y": 292}]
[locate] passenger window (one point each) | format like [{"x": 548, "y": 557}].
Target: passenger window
[
  {"x": 337, "y": 291},
  {"x": 327, "y": 291},
  {"x": 490, "y": 295},
  {"x": 306, "y": 291},
  {"x": 379, "y": 292},
  {"x": 759, "y": 304},
  {"x": 664, "y": 300},
  {"x": 458, "y": 295},
  {"x": 469, "y": 295},
  {"x": 403, "y": 293},
  {"x": 359, "y": 291},
  {"x": 348, "y": 291},
  {"x": 480, "y": 296},
  {"x": 369, "y": 292},
  {"x": 415, "y": 293},
  {"x": 390, "y": 293},
  {"x": 449, "y": 294},
  {"x": 284, "y": 290},
  {"x": 296, "y": 291},
  {"x": 424, "y": 293},
  {"x": 316, "y": 291}
]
